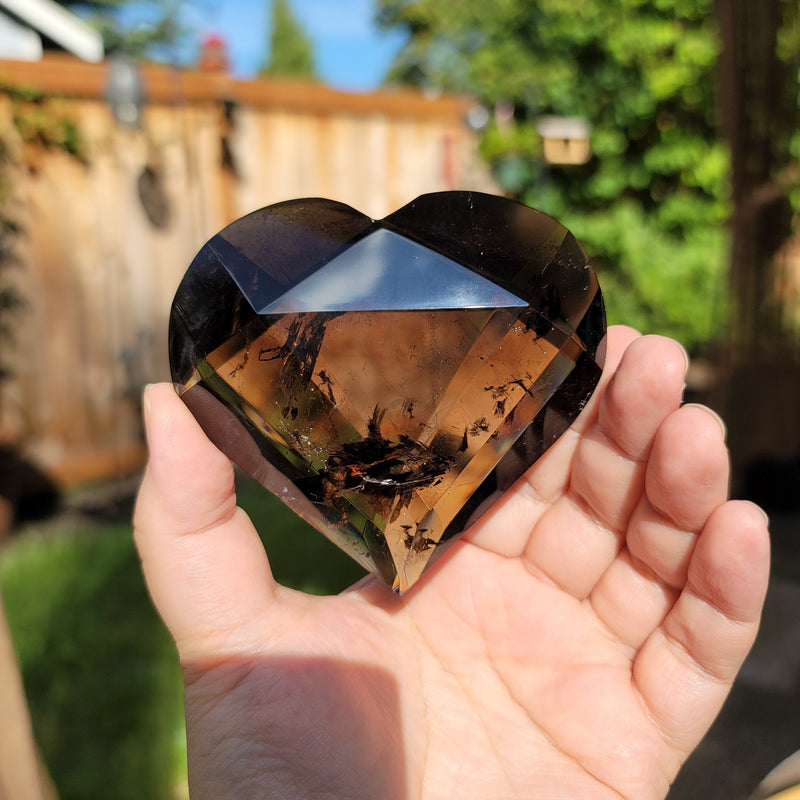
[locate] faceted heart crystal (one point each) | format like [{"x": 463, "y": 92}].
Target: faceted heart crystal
[{"x": 388, "y": 379}]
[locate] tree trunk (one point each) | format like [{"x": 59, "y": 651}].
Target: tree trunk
[{"x": 758, "y": 103}]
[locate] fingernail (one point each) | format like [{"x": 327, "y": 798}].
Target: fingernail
[
  {"x": 722, "y": 426},
  {"x": 146, "y": 409},
  {"x": 758, "y": 508},
  {"x": 685, "y": 359}
]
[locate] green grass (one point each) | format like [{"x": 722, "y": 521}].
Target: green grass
[
  {"x": 100, "y": 671},
  {"x": 299, "y": 556}
]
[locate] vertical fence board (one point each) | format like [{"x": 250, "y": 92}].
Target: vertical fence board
[{"x": 101, "y": 264}]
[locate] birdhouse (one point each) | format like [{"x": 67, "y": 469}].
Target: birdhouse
[{"x": 565, "y": 139}]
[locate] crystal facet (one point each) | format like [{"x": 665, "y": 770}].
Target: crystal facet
[{"x": 386, "y": 378}]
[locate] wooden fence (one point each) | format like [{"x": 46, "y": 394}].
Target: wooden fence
[{"x": 107, "y": 234}]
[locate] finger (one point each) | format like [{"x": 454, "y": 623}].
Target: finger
[
  {"x": 506, "y": 528},
  {"x": 203, "y": 561},
  {"x": 551, "y": 476},
  {"x": 686, "y": 480},
  {"x": 607, "y": 475},
  {"x": 646, "y": 388},
  {"x": 685, "y": 669}
]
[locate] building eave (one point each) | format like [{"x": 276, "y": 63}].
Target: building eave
[{"x": 59, "y": 25}]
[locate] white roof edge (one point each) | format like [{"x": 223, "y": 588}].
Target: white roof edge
[
  {"x": 18, "y": 42},
  {"x": 60, "y": 25}
]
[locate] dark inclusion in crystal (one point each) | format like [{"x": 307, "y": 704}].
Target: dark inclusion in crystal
[{"x": 384, "y": 379}]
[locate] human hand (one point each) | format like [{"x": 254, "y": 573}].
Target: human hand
[{"x": 576, "y": 642}]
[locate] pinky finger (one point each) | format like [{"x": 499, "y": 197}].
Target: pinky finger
[{"x": 686, "y": 668}]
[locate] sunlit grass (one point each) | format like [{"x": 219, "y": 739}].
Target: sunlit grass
[{"x": 100, "y": 671}]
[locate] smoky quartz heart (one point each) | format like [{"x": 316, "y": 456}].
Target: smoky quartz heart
[{"x": 387, "y": 379}]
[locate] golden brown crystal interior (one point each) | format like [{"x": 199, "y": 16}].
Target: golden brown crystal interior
[{"x": 457, "y": 388}]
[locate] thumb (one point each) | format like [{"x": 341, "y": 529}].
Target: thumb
[{"x": 203, "y": 561}]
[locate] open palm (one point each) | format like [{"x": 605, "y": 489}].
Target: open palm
[{"x": 576, "y": 642}]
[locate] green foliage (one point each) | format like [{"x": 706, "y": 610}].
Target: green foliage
[
  {"x": 45, "y": 120},
  {"x": 651, "y": 204},
  {"x": 11, "y": 300},
  {"x": 137, "y": 28},
  {"x": 291, "y": 53},
  {"x": 789, "y": 53},
  {"x": 299, "y": 556}
]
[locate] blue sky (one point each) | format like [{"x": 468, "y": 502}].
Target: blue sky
[{"x": 351, "y": 52}]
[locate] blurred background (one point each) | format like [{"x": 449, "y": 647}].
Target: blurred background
[{"x": 663, "y": 133}]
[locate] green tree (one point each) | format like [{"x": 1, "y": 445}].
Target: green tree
[
  {"x": 291, "y": 52},
  {"x": 137, "y": 28},
  {"x": 651, "y": 204}
]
